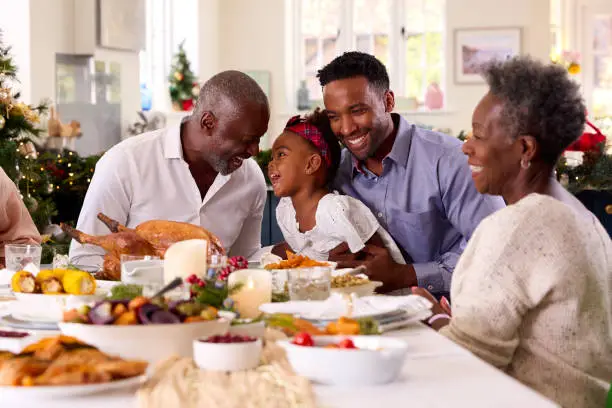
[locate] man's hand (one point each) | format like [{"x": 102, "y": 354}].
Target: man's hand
[
  {"x": 381, "y": 267},
  {"x": 344, "y": 257}
]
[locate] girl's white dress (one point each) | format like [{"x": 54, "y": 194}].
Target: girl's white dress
[{"x": 339, "y": 219}]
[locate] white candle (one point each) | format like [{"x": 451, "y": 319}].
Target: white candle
[
  {"x": 186, "y": 258},
  {"x": 256, "y": 290}
]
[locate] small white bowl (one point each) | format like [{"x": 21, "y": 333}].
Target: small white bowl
[
  {"x": 366, "y": 289},
  {"x": 378, "y": 360},
  {"x": 227, "y": 356}
]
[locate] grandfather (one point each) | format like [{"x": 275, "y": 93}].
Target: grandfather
[{"x": 197, "y": 172}]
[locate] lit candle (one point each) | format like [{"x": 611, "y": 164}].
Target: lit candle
[
  {"x": 186, "y": 258},
  {"x": 255, "y": 290}
]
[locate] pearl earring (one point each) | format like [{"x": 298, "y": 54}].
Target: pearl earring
[{"x": 525, "y": 164}]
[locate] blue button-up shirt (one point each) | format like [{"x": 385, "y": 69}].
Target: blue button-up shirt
[{"x": 424, "y": 197}]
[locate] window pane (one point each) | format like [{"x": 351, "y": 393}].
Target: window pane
[
  {"x": 371, "y": 24},
  {"x": 320, "y": 26},
  {"x": 423, "y": 45}
]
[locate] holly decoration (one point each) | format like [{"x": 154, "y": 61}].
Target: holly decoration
[{"x": 213, "y": 289}]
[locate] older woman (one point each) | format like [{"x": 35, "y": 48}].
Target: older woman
[
  {"x": 532, "y": 292},
  {"x": 16, "y": 225}
]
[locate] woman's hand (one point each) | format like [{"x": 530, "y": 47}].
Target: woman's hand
[{"x": 436, "y": 322}]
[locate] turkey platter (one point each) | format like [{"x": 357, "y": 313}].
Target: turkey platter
[{"x": 149, "y": 238}]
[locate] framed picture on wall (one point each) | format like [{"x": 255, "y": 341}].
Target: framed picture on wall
[
  {"x": 121, "y": 24},
  {"x": 474, "y": 47}
]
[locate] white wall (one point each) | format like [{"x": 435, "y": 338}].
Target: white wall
[
  {"x": 16, "y": 33},
  {"x": 39, "y": 29},
  {"x": 251, "y": 37}
]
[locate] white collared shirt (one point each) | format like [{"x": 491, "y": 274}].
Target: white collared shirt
[{"x": 145, "y": 178}]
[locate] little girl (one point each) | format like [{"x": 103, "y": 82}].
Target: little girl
[{"x": 313, "y": 220}]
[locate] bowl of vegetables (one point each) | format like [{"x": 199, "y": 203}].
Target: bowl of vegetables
[{"x": 144, "y": 328}]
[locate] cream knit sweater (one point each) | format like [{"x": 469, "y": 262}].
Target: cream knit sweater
[{"x": 532, "y": 295}]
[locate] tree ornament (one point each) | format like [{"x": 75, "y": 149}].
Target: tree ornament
[
  {"x": 5, "y": 96},
  {"x": 2, "y": 121}
]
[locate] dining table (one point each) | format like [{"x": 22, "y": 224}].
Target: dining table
[{"x": 436, "y": 373}]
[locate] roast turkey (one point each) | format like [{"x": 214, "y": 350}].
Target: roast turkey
[{"x": 149, "y": 238}]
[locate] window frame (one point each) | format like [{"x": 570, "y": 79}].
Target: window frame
[{"x": 346, "y": 41}]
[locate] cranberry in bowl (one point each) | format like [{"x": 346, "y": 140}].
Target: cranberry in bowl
[{"x": 227, "y": 352}]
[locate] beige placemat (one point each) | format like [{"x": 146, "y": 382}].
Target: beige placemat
[{"x": 178, "y": 382}]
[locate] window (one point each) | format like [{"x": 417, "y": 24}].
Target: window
[
  {"x": 168, "y": 23},
  {"x": 405, "y": 35},
  {"x": 556, "y": 23}
]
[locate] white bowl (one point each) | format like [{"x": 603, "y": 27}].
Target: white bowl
[
  {"x": 152, "y": 342},
  {"x": 366, "y": 289},
  {"x": 227, "y": 356},
  {"x": 379, "y": 360},
  {"x": 49, "y": 308}
]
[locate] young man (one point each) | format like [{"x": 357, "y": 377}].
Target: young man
[
  {"x": 417, "y": 182},
  {"x": 197, "y": 172}
]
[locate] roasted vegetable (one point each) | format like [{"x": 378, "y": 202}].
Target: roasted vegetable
[
  {"x": 77, "y": 282},
  {"x": 23, "y": 282},
  {"x": 127, "y": 318},
  {"x": 146, "y": 311},
  {"x": 51, "y": 286},
  {"x": 102, "y": 313},
  {"x": 164, "y": 317}
]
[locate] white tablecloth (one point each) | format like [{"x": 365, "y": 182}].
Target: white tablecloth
[{"x": 437, "y": 373}]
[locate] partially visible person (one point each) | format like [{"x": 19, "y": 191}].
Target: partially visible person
[
  {"x": 313, "y": 219},
  {"x": 417, "y": 182},
  {"x": 16, "y": 225},
  {"x": 197, "y": 172},
  {"x": 532, "y": 292}
]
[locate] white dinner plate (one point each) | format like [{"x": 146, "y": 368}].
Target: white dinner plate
[
  {"x": 336, "y": 306},
  {"x": 66, "y": 391}
]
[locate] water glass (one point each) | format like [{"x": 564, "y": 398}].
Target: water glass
[
  {"x": 142, "y": 269},
  {"x": 309, "y": 283},
  {"x": 18, "y": 256}
]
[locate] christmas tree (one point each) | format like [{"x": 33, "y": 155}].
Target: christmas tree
[
  {"x": 52, "y": 183},
  {"x": 183, "y": 83},
  {"x": 19, "y": 123}
]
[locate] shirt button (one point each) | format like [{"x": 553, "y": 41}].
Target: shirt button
[
  {"x": 380, "y": 215},
  {"x": 430, "y": 287}
]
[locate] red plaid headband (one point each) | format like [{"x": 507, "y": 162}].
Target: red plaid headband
[{"x": 308, "y": 131}]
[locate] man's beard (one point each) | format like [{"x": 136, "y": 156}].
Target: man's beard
[{"x": 220, "y": 165}]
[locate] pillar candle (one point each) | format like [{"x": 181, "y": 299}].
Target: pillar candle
[
  {"x": 256, "y": 290},
  {"x": 186, "y": 258}
]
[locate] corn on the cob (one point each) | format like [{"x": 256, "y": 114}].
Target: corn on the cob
[
  {"x": 24, "y": 282},
  {"x": 51, "y": 286},
  {"x": 77, "y": 282},
  {"x": 50, "y": 273}
]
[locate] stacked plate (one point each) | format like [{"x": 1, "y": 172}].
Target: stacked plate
[{"x": 390, "y": 312}]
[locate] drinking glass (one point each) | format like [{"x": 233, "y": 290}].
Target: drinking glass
[
  {"x": 309, "y": 283},
  {"x": 18, "y": 256},
  {"x": 142, "y": 269}
]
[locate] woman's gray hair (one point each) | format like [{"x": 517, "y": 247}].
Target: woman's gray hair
[{"x": 540, "y": 100}]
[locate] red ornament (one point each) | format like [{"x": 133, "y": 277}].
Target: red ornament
[
  {"x": 187, "y": 104},
  {"x": 588, "y": 142}
]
